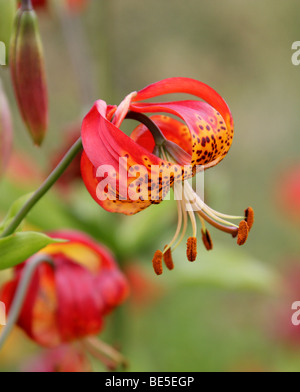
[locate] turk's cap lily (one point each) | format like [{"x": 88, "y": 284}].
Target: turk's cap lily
[
  {"x": 28, "y": 73},
  {"x": 6, "y": 131},
  {"x": 174, "y": 142},
  {"x": 68, "y": 302}
]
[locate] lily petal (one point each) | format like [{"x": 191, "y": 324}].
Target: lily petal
[
  {"x": 211, "y": 137},
  {"x": 188, "y": 86}
]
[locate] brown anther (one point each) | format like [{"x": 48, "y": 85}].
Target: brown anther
[
  {"x": 168, "y": 259},
  {"x": 249, "y": 217},
  {"x": 157, "y": 262},
  {"x": 207, "y": 241},
  {"x": 243, "y": 233},
  {"x": 192, "y": 249}
]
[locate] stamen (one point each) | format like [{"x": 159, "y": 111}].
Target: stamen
[
  {"x": 230, "y": 230},
  {"x": 189, "y": 209},
  {"x": 220, "y": 215},
  {"x": 243, "y": 233},
  {"x": 207, "y": 241},
  {"x": 157, "y": 262},
  {"x": 203, "y": 207},
  {"x": 249, "y": 217},
  {"x": 185, "y": 225},
  {"x": 180, "y": 218},
  {"x": 168, "y": 259},
  {"x": 192, "y": 249}
]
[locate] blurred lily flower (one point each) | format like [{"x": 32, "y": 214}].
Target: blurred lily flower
[
  {"x": 6, "y": 132},
  {"x": 64, "y": 359},
  {"x": 288, "y": 192},
  {"x": 128, "y": 174},
  {"x": 68, "y": 302},
  {"x": 28, "y": 73}
]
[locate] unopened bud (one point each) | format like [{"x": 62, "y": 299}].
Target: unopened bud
[{"x": 28, "y": 72}]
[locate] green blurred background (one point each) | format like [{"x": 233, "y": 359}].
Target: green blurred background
[{"x": 217, "y": 314}]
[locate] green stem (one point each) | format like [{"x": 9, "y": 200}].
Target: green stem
[
  {"x": 43, "y": 189},
  {"x": 21, "y": 293}
]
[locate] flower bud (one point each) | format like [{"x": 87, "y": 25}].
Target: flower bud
[
  {"x": 28, "y": 72},
  {"x": 7, "y": 13},
  {"x": 5, "y": 131}
]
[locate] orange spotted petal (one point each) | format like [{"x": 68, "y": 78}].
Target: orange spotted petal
[{"x": 211, "y": 138}]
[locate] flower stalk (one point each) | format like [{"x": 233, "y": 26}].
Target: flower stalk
[
  {"x": 22, "y": 292},
  {"x": 44, "y": 188}
]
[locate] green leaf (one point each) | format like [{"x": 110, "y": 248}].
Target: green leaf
[
  {"x": 18, "y": 247},
  {"x": 13, "y": 210}
]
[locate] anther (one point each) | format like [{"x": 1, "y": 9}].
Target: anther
[
  {"x": 192, "y": 249},
  {"x": 243, "y": 233},
  {"x": 207, "y": 241},
  {"x": 168, "y": 259},
  {"x": 157, "y": 262},
  {"x": 249, "y": 217}
]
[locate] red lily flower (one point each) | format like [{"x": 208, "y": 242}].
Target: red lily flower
[
  {"x": 164, "y": 152},
  {"x": 68, "y": 302}
]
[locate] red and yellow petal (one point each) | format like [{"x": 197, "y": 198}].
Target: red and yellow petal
[
  {"x": 44, "y": 327},
  {"x": 126, "y": 207},
  {"x": 80, "y": 305}
]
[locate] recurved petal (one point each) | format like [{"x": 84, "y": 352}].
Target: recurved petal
[
  {"x": 104, "y": 143},
  {"x": 188, "y": 86},
  {"x": 211, "y": 137}
]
